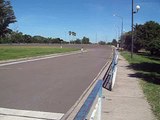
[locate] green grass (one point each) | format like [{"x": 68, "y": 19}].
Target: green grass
[
  {"x": 15, "y": 52},
  {"x": 148, "y": 70}
]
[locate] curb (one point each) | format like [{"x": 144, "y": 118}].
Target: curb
[{"x": 23, "y": 60}]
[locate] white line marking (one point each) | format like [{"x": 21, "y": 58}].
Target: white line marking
[
  {"x": 31, "y": 60},
  {"x": 3, "y": 117},
  {"x": 7, "y": 114}
]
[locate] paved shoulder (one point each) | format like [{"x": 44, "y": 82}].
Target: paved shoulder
[{"x": 126, "y": 101}]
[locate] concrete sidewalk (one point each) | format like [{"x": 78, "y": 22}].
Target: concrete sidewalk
[{"x": 126, "y": 101}]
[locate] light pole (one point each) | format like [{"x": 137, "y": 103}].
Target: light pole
[
  {"x": 121, "y": 27},
  {"x": 133, "y": 12},
  {"x": 117, "y": 29}
]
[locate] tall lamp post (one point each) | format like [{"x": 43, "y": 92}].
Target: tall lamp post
[
  {"x": 133, "y": 12},
  {"x": 121, "y": 27}
]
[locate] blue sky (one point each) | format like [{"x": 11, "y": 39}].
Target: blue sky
[{"x": 90, "y": 18}]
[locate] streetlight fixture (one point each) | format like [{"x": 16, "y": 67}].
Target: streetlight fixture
[
  {"x": 121, "y": 27},
  {"x": 133, "y": 12}
]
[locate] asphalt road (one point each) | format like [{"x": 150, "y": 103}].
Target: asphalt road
[{"x": 50, "y": 85}]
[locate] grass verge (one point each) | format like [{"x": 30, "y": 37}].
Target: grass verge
[
  {"x": 148, "y": 70},
  {"x": 16, "y": 52}
]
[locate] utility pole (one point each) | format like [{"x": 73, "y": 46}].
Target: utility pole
[{"x": 133, "y": 12}]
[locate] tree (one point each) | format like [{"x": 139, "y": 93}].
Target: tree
[
  {"x": 138, "y": 41},
  {"x": 78, "y": 41},
  {"x": 6, "y": 17},
  {"x": 70, "y": 33},
  {"x": 146, "y": 36},
  {"x": 109, "y": 43},
  {"x": 154, "y": 46},
  {"x": 27, "y": 38},
  {"x": 85, "y": 40},
  {"x": 127, "y": 40},
  {"x": 39, "y": 39},
  {"x": 114, "y": 42},
  {"x": 16, "y": 37},
  {"x": 102, "y": 42},
  {"x": 73, "y": 34},
  {"x": 151, "y": 36}
]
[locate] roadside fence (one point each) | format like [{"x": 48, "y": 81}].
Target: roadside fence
[{"x": 110, "y": 77}]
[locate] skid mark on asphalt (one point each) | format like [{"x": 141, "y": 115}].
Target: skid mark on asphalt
[{"x": 14, "y": 114}]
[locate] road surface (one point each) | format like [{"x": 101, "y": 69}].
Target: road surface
[{"x": 50, "y": 85}]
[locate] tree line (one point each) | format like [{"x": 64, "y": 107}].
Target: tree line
[
  {"x": 9, "y": 36},
  {"x": 19, "y": 37},
  {"x": 146, "y": 37},
  {"x": 84, "y": 40}
]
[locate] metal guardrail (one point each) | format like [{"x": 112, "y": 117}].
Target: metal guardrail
[
  {"x": 83, "y": 112},
  {"x": 92, "y": 106},
  {"x": 110, "y": 77},
  {"x": 108, "y": 83}
]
